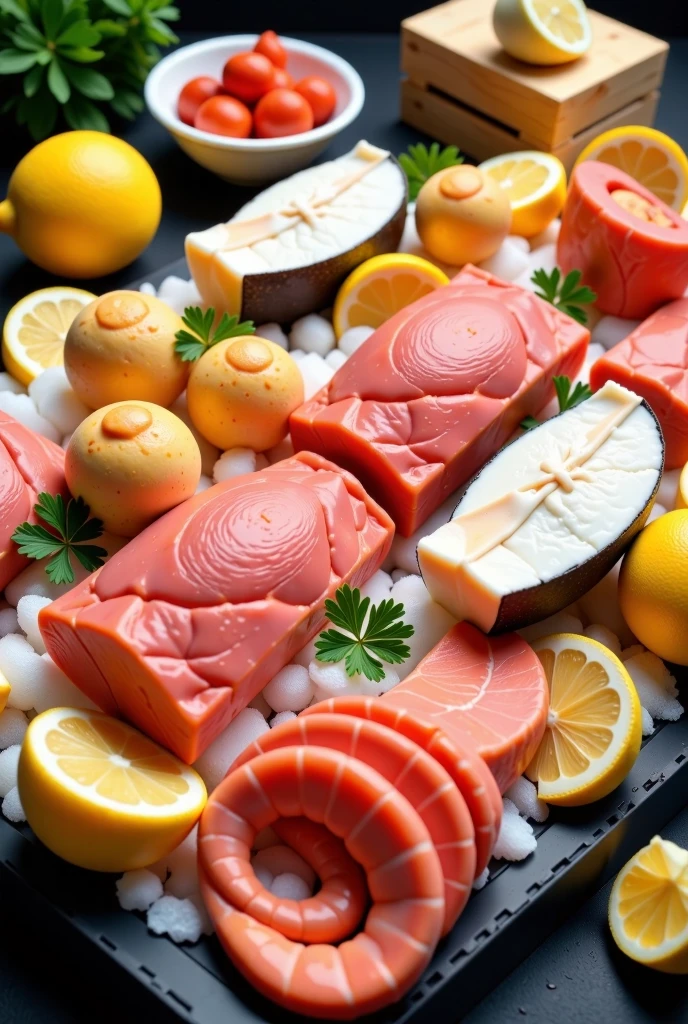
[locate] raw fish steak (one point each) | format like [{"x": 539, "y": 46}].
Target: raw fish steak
[
  {"x": 29, "y": 464},
  {"x": 491, "y": 690},
  {"x": 653, "y": 362},
  {"x": 439, "y": 388},
  {"x": 184, "y": 626}
]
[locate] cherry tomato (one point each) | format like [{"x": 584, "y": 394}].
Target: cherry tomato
[
  {"x": 224, "y": 115},
  {"x": 282, "y": 112},
  {"x": 271, "y": 47},
  {"x": 283, "y": 79},
  {"x": 320, "y": 95},
  {"x": 195, "y": 92},
  {"x": 248, "y": 76}
]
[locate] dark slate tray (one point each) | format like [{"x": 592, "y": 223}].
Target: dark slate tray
[{"x": 578, "y": 851}]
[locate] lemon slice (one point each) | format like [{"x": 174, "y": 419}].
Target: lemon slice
[
  {"x": 649, "y": 156},
  {"x": 101, "y": 795},
  {"x": 593, "y": 729},
  {"x": 382, "y": 286},
  {"x": 648, "y": 907},
  {"x": 35, "y": 330},
  {"x": 536, "y": 186},
  {"x": 543, "y": 31},
  {"x": 682, "y": 492},
  {"x": 5, "y": 689}
]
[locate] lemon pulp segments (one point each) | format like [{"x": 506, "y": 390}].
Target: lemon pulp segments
[
  {"x": 35, "y": 330},
  {"x": 536, "y": 186},
  {"x": 561, "y": 18},
  {"x": 649, "y": 156}
]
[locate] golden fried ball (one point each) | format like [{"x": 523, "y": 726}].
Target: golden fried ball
[
  {"x": 121, "y": 347},
  {"x": 242, "y": 391},
  {"x": 130, "y": 462},
  {"x": 462, "y": 215}
]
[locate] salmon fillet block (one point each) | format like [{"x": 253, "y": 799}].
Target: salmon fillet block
[
  {"x": 29, "y": 464},
  {"x": 653, "y": 362},
  {"x": 438, "y": 389},
  {"x": 185, "y": 625},
  {"x": 489, "y": 691}
]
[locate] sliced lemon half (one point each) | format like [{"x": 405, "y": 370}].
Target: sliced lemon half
[
  {"x": 101, "y": 795},
  {"x": 5, "y": 690},
  {"x": 536, "y": 186},
  {"x": 593, "y": 729},
  {"x": 35, "y": 330},
  {"x": 381, "y": 286},
  {"x": 648, "y": 907},
  {"x": 649, "y": 156},
  {"x": 543, "y": 31}
]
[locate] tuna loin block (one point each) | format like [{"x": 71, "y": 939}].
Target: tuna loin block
[
  {"x": 184, "y": 626},
  {"x": 29, "y": 464},
  {"x": 438, "y": 389},
  {"x": 491, "y": 691}
]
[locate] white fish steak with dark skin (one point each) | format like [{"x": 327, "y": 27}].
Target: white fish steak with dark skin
[{"x": 549, "y": 515}]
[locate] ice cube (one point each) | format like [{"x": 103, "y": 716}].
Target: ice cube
[
  {"x": 515, "y": 840},
  {"x": 12, "y": 806},
  {"x": 177, "y": 918},
  {"x": 9, "y": 762},
  {"x": 290, "y": 887},
  {"x": 13, "y": 726},
  {"x": 234, "y": 462},
  {"x": 604, "y": 636},
  {"x": 273, "y": 333},
  {"x": 523, "y": 794},
  {"x": 27, "y": 617},
  {"x": 23, "y": 408},
  {"x": 353, "y": 339},
  {"x": 138, "y": 890},
  {"x": 610, "y": 330},
  {"x": 290, "y": 690},
  {"x": 313, "y": 333},
  {"x": 214, "y": 763},
  {"x": 508, "y": 263},
  {"x": 315, "y": 372}
]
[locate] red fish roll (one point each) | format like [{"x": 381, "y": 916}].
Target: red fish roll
[
  {"x": 380, "y": 830},
  {"x": 413, "y": 773},
  {"x": 181, "y": 629},
  {"x": 29, "y": 464},
  {"x": 465, "y": 767},
  {"x": 631, "y": 247}
]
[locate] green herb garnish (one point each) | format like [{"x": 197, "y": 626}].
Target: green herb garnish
[
  {"x": 567, "y": 399},
  {"x": 420, "y": 163},
  {"x": 190, "y": 347},
  {"x": 384, "y": 634},
  {"x": 568, "y": 295},
  {"x": 72, "y": 527}
]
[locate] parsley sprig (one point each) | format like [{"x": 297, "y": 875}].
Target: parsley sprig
[
  {"x": 568, "y": 295},
  {"x": 567, "y": 398},
  {"x": 383, "y": 635},
  {"x": 191, "y": 346},
  {"x": 420, "y": 163},
  {"x": 72, "y": 528}
]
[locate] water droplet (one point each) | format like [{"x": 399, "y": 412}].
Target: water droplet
[
  {"x": 523, "y": 1011},
  {"x": 551, "y": 986}
]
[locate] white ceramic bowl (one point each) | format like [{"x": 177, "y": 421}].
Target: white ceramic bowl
[{"x": 250, "y": 161}]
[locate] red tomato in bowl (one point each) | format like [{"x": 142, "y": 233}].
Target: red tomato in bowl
[
  {"x": 224, "y": 115},
  {"x": 320, "y": 95},
  {"x": 283, "y": 79},
  {"x": 194, "y": 93},
  {"x": 270, "y": 45},
  {"x": 282, "y": 112},
  {"x": 248, "y": 76}
]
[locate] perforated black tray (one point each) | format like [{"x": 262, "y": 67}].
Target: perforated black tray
[{"x": 577, "y": 851}]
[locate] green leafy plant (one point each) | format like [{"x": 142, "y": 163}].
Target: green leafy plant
[
  {"x": 383, "y": 635},
  {"x": 191, "y": 346},
  {"x": 79, "y": 59},
  {"x": 71, "y": 527},
  {"x": 566, "y": 397},
  {"x": 420, "y": 163},
  {"x": 568, "y": 295}
]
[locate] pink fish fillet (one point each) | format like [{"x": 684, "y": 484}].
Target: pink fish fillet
[{"x": 490, "y": 689}]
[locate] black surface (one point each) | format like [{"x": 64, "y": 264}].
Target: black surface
[{"x": 39, "y": 979}]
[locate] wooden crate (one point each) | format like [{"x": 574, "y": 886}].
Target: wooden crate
[{"x": 462, "y": 87}]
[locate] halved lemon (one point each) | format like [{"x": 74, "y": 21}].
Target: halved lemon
[
  {"x": 5, "y": 690},
  {"x": 35, "y": 330},
  {"x": 649, "y": 156},
  {"x": 536, "y": 186},
  {"x": 593, "y": 729},
  {"x": 382, "y": 286},
  {"x": 543, "y": 31},
  {"x": 648, "y": 907},
  {"x": 101, "y": 795}
]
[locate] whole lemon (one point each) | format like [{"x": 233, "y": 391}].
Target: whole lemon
[
  {"x": 82, "y": 204},
  {"x": 653, "y": 587}
]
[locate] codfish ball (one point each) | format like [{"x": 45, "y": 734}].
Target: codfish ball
[
  {"x": 130, "y": 462},
  {"x": 121, "y": 347},
  {"x": 242, "y": 391}
]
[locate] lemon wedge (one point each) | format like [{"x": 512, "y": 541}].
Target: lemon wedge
[
  {"x": 593, "y": 729},
  {"x": 5, "y": 689},
  {"x": 648, "y": 907},
  {"x": 101, "y": 795},
  {"x": 381, "y": 286},
  {"x": 536, "y": 186},
  {"x": 543, "y": 31},
  {"x": 35, "y": 330},
  {"x": 649, "y": 156}
]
